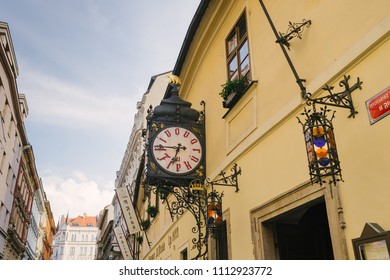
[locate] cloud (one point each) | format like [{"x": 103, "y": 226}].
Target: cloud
[
  {"x": 83, "y": 67},
  {"x": 91, "y": 71},
  {"x": 53, "y": 101},
  {"x": 76, "y": 195}
]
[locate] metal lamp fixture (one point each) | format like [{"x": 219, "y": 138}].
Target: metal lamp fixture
[
  {"x": 214, "y": 212},
  {"x": 322, "y": 156},
  {"x": 320, "y": 142},
  {"x": 317, "y": 127},
  {"x": 214, "y": 198}
]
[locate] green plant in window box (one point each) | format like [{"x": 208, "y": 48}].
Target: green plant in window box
[
  {"x": 145, "y": 224},
  {"x": 152, "y": 211},
  {"x": 232, "y": 90}
]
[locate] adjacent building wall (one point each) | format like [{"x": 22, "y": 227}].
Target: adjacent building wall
[
  {"x": 49, "y": 232},
  {"x": 19, "y": 178},
  {"x": 37, "y": 228},
  {"x": 107, "y": 244},
  {"x": 10, "y": 134}
]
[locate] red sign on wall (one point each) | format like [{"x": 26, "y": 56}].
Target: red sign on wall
[{"x": 378, "y": 106}]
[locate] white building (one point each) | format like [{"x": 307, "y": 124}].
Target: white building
[
  {"x": 108, "y": 248},
  {"x": 76, "y": 239},
  {"x": 132, "y": 167},
  {"x": 36, "y": 229}
]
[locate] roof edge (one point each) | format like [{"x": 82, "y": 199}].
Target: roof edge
[
  {"x": 193, "y": 27},
  {"x": 190, "y": 35}
]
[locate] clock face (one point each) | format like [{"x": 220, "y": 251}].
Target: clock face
[{"x": 177, "y": 150}]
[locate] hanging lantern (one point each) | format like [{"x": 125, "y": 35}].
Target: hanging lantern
[
  {"x": 321, "y": 148},
  {"x": 214, "y": 212}
]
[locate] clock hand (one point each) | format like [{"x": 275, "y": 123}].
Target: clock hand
[
  {"x": 171, "y": 147},
  {"x": 162, "y": 147},
  {"x": 174, "y": 159},
  {"x": 179, "y": 146}
]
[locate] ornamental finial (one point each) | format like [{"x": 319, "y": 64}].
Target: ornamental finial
[{"x": 174, "y": 80}]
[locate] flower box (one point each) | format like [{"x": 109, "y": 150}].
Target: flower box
[{"x": 232, "y": 91}]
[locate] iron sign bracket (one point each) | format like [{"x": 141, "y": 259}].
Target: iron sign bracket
[{"x": 341, "y": 99}]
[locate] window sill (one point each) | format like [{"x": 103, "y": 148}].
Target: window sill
[{"x": 236, "y": 98}]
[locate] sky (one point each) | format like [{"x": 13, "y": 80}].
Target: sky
[{"x": 83, "y": 66}]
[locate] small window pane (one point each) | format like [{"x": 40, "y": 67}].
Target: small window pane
[
  {"x": 242, "y": 27},
  {"x": 244, "y": 67},
  {"x": 376, "y": 250},
  {"x": 232, "y": 42},
  {"x": 233, "y": 68},
  {"x": 244, "y": 50}
]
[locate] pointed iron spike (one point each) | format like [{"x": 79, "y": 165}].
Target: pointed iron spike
[
  {"x": 359, "y": 83},
  {"x": 328, "y": 88}
]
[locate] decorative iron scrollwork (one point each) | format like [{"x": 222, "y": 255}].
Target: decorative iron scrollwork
[
  {"x": 294, "y": 30},
  {"x": 282, "y": 40},
  {"x": 341, "y": 99},
  {"x": 229, "y": 181},
  {"x": 182, "y": 199},
  {"x": 205, "y": 206}
]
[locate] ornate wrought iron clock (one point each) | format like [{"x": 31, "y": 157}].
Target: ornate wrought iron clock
[
  {"x": 175, "y": 166},
  {"x": 175, "y": 143}
]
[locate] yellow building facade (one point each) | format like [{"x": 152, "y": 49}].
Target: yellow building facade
[{"x": 278, "y": 213}]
